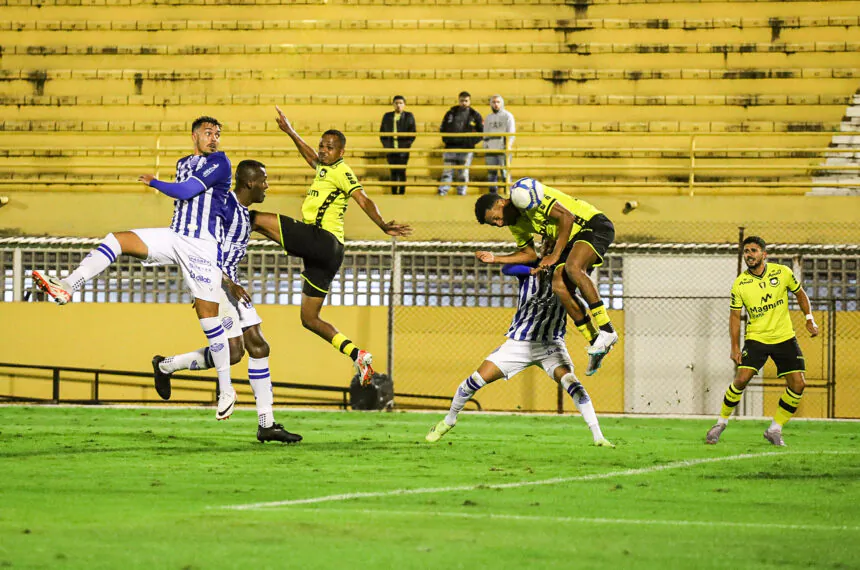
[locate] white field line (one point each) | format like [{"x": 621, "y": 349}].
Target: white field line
[
  {"x": 583, "y": 520},
  {"x": 518, "y": 484}
]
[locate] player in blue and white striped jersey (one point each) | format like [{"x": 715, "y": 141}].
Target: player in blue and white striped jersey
[
  {"x": 238, "y": 315},
  {"x": 192, "y": 242},
  {"x": 535, "y": 337}
]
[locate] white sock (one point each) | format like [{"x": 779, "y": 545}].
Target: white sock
[
  {"x": 261, "y": 383},
  {"x": 583, "y": 403},
  {"x": 197, "y": 360},
  {"x": 774, "y": 426},
  {"x": 464, "y": 393},
  {"x": 94, "y": 263},
  {"x": 219, "y": 351},
  {"x": 723, "y": 421}
]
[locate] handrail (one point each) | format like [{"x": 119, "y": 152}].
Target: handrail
[{"x": 97, "y": 372}]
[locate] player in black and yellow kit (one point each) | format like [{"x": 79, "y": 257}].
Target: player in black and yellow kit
[
  {"x": 318, "y": 238},
  {"x": 582, "y": 234},
  {"x": 763, "y": 290}
]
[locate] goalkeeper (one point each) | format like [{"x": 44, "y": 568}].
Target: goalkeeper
[
  {"x": 535, "y": 337},
  {"x": 581, "y": 233}
]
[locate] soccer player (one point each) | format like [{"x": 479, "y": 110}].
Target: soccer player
[
  {"x": 581, "y": 233},
  {"x": 318, "y": 238},
  {"x": 763, "y": 290},
  {"x": 192, "y": 242},
  {"x": 238, "y": 315},
  {"x": 535, "y": 337}
]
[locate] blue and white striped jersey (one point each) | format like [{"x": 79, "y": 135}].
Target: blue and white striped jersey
[
  {"x": 237, "y": 221},
  {"x": 540, "y": 315},
  {"x": 202, "y": 216}
]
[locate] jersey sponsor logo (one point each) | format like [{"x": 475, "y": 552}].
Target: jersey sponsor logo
[
  {"x": 766, "y": 298},
  {"x": 202, "y": 279},
  {"x": 200, "y": 260},
  {"x": 313, "y": 193},
  {"x": 760, "y": 311},
  {"x": 745, "y": 281},
  {"x": 552, "y": 351},
  {"x": 211, "y": 169}
]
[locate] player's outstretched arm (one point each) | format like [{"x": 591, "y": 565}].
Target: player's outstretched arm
[
  {"x": 806, "y": 307},
  {"x": 525, "y": 256},
  {"x": 307, "y": 152},
  {"x": 391, "y": 228},
  {"x": 176, "y": 190},
  {"x": 266, "y": 224}
]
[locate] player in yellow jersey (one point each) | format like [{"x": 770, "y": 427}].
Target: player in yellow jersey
[
  {"x": 763, "y": 290},
  {"x": 582, "y": 234},
  {"x": 318, "y": 238}
]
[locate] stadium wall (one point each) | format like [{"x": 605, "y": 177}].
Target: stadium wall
[
  {"x": 788, "y": 219},
  {"x": 124, "y": 336}
]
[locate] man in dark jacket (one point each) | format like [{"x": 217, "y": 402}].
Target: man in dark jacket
[
  {"x": 459, "y": 119},
  {"x": 398, "y": 121}
]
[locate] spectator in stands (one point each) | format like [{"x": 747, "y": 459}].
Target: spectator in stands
[
  {"x": 498, "y": 121},
  {"x": 459, "y": 119},
  {"x": 398, "y": 121}
]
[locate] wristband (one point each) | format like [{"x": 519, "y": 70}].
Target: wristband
[{"x": 809, "y": 317}]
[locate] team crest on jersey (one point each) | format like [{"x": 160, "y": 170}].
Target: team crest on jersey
[
  {"x": 323, "y": 172},
  {"x": 774, "y": 281}
]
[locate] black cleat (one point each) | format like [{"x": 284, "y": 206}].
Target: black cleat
[
  {"x": 276, "y": 433},
  {"x": 162, "y": 380}
]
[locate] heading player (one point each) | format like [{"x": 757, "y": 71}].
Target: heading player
[
  {"x": 763, "y": 290},
  {"x": 238, "y": 315},
  {"x": 318, "y": 239},
  {"x": 582, "y": 235},
  {"x": 192, "y": 242},
  {"x": 535, "y": 338}
]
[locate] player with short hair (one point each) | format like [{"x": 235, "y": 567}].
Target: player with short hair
[
  {"x": 582, "y": 235},
  {"x": 763, "y": 290},
  {"x": 238, "y": 315},
  {"x": 192, "y": 242},
  {"x": 535, "y": 338},
  {"x": 319, "y": 237}
]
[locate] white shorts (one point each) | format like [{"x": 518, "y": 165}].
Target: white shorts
[
  {"x": 197, "y": 258},
  {"x": 236, "y": 315},
  {"x": 514, "y": 356}
]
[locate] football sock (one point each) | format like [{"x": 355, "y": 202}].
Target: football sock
[
  {"x": 343, "y": 344},
  {"x": 583, "y": 403},
  {"x": 219, "y": 351},
  {"x": 261, "y": 383},
  {"x": 730, "y": 402},
  {"x": 787, "y": 406},
  {"x": 197, "y": 360},
  {"x": 464, "y": 393},
  {"x": 601, "y": 317},
  {"x": 586, "y": 329},
  {"x": 94, "y": 263}
]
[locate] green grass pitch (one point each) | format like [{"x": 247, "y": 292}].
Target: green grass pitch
[{"x": 163, "y": 488}]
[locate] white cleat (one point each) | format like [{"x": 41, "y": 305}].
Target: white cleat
[
  {"x": 775, "y": 437},
  {"x": 363, "y": 367},
  {"x": 226, "y": 405},
  {"x": 53, "y": 287},
  {"x": 603, "y": 343}
]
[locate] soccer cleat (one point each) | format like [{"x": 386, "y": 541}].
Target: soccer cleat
[
  {"x": 162, "y": 379},
  {"x": 604, "y": 443},
  {"x": 714, "y": 433},
  {"x": 594, "y": 362},
  {"x": 52, "y": 287},
  {"x": 775, "y": 437},
  {"x": 436, "y": 432},
  {"x": 603, "y": 343},
  {"x": 226, "y": 405},
  {"x": 362, "y": 366},
  {"x": 276, "y": 433}
]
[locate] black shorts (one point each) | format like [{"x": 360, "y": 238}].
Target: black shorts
[
  {"x": 321, "y": 252},
  {"x": 786, "y": 355},
  {"x": 598, "y": 233}
]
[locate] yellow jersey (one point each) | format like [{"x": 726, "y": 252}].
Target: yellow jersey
[
  {"x": 327, "y": 198},
  {"x": 537, "y": 221},
  {"x": 766, "y": 300}
]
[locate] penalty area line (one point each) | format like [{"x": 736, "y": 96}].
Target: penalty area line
[
  {"x": 582, "y": 520},
  {"x": 518, "y": 484}
]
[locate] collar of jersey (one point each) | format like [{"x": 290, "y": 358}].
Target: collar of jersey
[
  {"x": 762, "y": 273},
  {"x": 332, "y": 165}
]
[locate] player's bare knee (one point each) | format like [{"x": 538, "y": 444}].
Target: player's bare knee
[
  {"x": 796, "y": 383},
  {"x": 237, "y": 350},
  {"x": 258, "y": 349}
]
